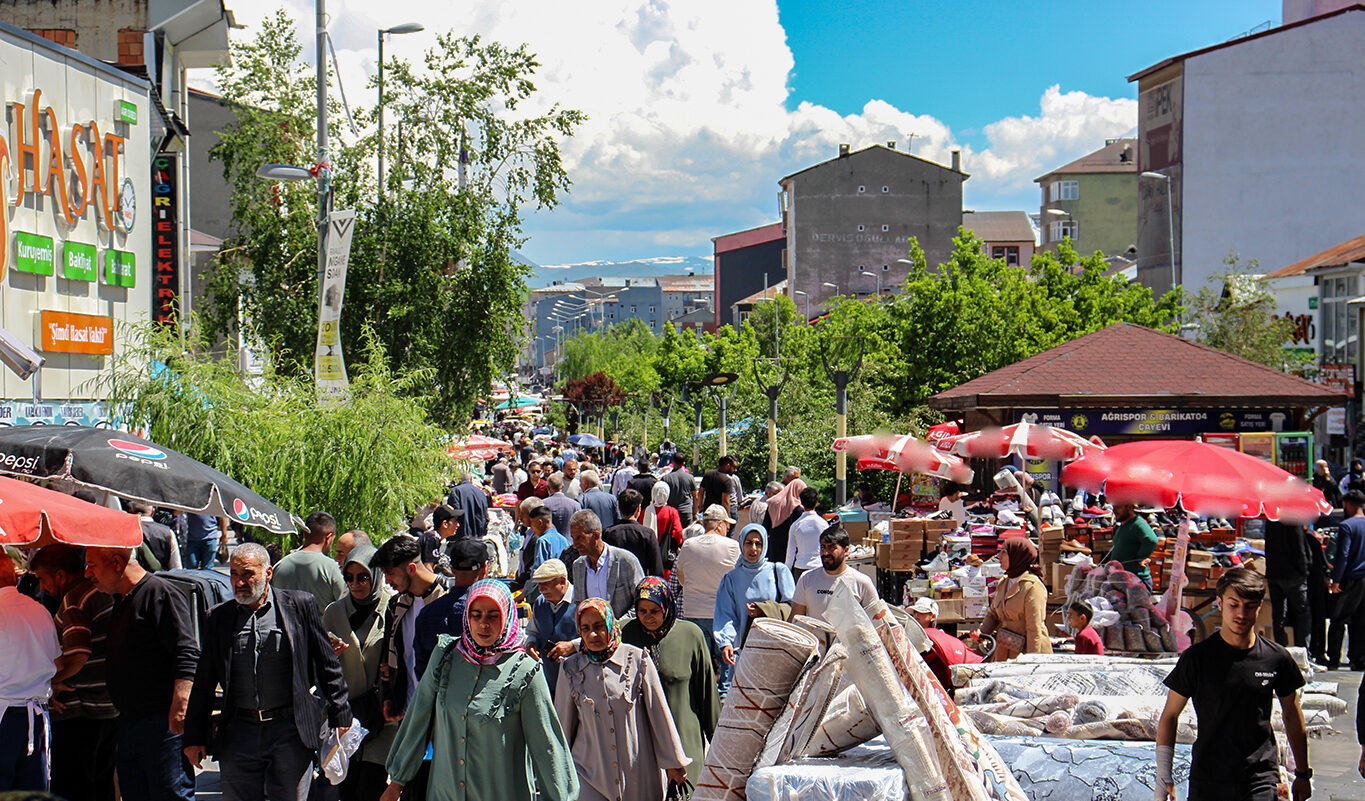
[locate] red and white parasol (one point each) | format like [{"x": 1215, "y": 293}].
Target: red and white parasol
[
  {"x": 1027, "y": 440},
  {"x": 904, "y": 454},
  {"x": 477, "y": 446}
]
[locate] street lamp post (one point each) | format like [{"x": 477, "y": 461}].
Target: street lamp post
[
  {"x": 717, "y": 382},
  {"x": 862, "y": 270},
  {"x": 1170, "y": 219},
  {"x": 409, "y": 27},
  {"x": 807, "y": 297}
]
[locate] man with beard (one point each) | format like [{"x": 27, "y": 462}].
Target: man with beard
[
  {"x": 266, "y": 648},
  {"x": 815, "y": 588}
]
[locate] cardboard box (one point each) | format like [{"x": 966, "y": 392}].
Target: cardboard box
[
  {"x": 1061, "y": 572},
  {"x": 899, "y": 561},
  {"x": 951, "y": 611},
  {"x": 856, "y": 531},
  {"x": 974, "y": 608}
]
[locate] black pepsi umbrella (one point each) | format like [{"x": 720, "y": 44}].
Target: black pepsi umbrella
[{"x": 131, "y": 467}]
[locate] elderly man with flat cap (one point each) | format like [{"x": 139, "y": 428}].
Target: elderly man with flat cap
[{"x": 552, "y": 616}]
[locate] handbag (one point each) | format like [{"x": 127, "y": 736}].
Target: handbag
[
  {"x": 679, "y": 792},
  {"x": 1009, "y": 640}
]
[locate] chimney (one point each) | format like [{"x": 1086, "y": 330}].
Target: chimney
[
  {"x": 957, "y": 161},
  {"x": 843, "y": 151}
]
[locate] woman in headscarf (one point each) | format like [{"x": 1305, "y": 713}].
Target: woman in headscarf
[
  {"x": 1018, "y": 612},
  {"x": 755, "y": 579},
  {"x": 615, "y": 715},
  {"x": 666, "y": 524},
  {"x": 355, "y": 625},
  {"x": 784, "y": 508},
  {"x": 683, "y": 659},
  {"x": 484, "y": 706}
]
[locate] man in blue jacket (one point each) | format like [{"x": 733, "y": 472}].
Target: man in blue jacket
[{"x": 552, "y": 616}]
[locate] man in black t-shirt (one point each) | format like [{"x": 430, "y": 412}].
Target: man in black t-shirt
[
  {"x": 1231, "y": 677},
  {"x": 717, "y": 485}
]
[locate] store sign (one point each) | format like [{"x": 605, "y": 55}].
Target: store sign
[
  {"x": 1336, "y": 421},
  {"x": 1338, "y": 377},
  {"x": 78, "y": 261},
  {"x": 65, "y": 332},
  {"x": 125, "y": 112},
  {"x": 33, "y": 253},
  {"x": 1158, "y": 422},
  {"x": 120, "y": 268},
  {"x": 165, "y": 239},
  {"x": 75, "y": 166}
]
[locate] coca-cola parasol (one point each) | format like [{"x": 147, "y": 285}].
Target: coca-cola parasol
[{"x": 1028, "y": 440}]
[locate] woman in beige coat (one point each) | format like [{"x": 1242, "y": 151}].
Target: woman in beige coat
[
  {"x": 1018, "y": 613},
  {"x": 615, "y": 716},
  {"x": 355, "y": 624}
]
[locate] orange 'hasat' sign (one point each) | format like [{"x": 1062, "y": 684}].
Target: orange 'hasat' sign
[{"x": 66, "y": 332}]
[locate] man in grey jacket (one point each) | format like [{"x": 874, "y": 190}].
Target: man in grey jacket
[{"x": 602, "y": 571}]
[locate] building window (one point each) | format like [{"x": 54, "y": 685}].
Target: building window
[
  {"x": 886, "y": 228},
  {"x": 1061, "y": 229},
  {"x": 860, "y": 229},
  {"x": 885, "y": 189},
  {"x": 861, "y": 189},
  {"x": 1065, "y": 190},
  {"x": 1009, "y": 253},
  {"x": 1340, "y": 324}
]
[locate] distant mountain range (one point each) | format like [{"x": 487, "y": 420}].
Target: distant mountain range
[{"x": 544, "y": 275}]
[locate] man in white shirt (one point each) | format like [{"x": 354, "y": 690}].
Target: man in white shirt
[
  {"x": 815, "y": 587},
  {"x": 702, "y": 562},
  {"x": 28, "y": 639},
  {"x": 621, "y": 478},
  {"x": 803, "y": 541}
]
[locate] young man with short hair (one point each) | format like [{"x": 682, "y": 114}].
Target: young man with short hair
[
  {"x": 310, "y": 568},
  {"x": 1232, "y": 677}
]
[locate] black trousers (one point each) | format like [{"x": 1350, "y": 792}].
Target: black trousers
[
  {"x": 83, "y": 758},
  {"x": 1289, "y": 606},
  {"x": 1350, "y": 608}
]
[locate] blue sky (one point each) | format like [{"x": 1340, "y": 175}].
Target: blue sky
[{"x": 697, "y": 107}]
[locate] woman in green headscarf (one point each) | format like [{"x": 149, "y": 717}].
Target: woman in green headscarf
[
  {"x": 683, "y": 659},
  {"x": 616, "y": 719},
  {"x": 355, "y": 624}
]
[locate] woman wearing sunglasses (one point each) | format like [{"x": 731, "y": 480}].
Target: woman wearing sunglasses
[{"x": 355, "y": 623}]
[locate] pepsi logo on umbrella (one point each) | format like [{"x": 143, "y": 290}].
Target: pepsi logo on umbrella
[
  {"x": 137, "y": 449},
  {"x": 240, "y": 510}
]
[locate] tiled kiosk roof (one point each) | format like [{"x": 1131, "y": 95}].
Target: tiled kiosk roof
[{"x": 1127, "y": 364}]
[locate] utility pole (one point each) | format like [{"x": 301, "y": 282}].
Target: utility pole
[
  {"x": 841, "y": 379},
  {"x": 324, "y": 168}
]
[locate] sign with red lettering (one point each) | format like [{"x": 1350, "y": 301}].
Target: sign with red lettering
[{"x": 165, "y": 239}]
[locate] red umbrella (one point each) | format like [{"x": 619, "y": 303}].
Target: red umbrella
[
  {"x": 903, "y": 454},
  {"x": 1201, "y": 478},
  {"x": 31, "y": 515},
  {"x": 477, "y": 446},
  {"x": 1029, "y": 440}
]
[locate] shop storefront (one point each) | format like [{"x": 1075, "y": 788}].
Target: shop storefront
[
  {"x": 1126, "y": 383},
  {"x": 77, "y": 211}
]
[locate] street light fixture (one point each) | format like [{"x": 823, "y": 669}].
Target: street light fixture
[
  {"x": 284, "y": 172},
  {"x": 1170, "y": 218},
  {"x": 807, "y": 297},
  {"x": 717, "y": 382},
  {"x": 862, "y": 270},
  {"x": 407, "y": 27}
]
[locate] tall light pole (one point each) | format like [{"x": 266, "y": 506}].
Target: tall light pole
[
  {"x": 1170, "y": 218},
  {"x": 409, "y": 27},
  {"x": 862, "y": 270}
]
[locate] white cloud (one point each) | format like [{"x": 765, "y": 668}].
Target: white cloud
[{"x": 688, "y": 129}]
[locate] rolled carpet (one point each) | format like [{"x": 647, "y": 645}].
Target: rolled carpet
[{"x": 774, "y": 656}]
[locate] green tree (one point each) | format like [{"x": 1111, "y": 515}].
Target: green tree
[
  {"x": 431, "y": 272},
  {"x": 1235, "y": 312},
  {"x": 368, "y": 462}
]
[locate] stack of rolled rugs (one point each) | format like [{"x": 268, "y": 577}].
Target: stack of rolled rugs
[{"x": 811, "y": 687}]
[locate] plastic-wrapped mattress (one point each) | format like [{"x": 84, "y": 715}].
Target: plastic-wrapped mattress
[{"x": 1046, "y": 768}]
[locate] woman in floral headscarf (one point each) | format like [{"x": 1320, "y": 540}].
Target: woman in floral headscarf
[
  {"x": 615, "y": 716},
  {"x": 484, "y": 706},
  {"x": 683, "y": 659}
]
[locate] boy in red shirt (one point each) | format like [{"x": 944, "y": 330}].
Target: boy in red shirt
[{"x": 1079, "y": 615}]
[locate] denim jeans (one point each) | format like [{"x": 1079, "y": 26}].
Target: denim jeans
[
  {"x": 724, "y": 672},
  {"x": 150, "y": 760},
  {"x": 265, "y": 760},
  {"x": 200, "y": 554},
  {"x": 20, "y": 770}
]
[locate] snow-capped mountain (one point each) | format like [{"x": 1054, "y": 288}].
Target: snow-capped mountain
[{"x": 544, "y": 275}]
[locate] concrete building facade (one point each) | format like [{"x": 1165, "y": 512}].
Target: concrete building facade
[
  {"x": 1092, "y": 201},
  {"x": 848, "y": 220},
  {"x": 1259, "y": 138}
]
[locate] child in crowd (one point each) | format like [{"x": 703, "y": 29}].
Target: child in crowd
[{"x": 1088, "y": 641}]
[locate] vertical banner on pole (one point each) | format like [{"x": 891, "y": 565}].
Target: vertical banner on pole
[{"x": 329, "y": 366}]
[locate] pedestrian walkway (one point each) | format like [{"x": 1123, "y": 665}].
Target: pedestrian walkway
[{"x": 1336, "y": 757}]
